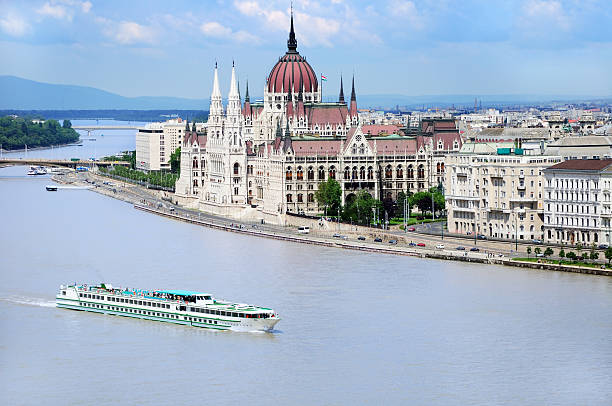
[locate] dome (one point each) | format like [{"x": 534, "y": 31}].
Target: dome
[{"x": 292, "y": 69}]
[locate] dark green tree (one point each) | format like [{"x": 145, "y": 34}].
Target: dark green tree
[
  {"x": 66, "y": 124},
  {"x": 175, "y": 161},
  {"x": 548, "y": 252},
  {"x": 608, "y": 254},
  {"x": 528, "y": 251},
  {"x": 329, "y": 196}
]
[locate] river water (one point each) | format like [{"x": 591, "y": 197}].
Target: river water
[{"x": 356, "y": 328}]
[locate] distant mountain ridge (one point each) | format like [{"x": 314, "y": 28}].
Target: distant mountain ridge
[{"x": 24, "y": 94}]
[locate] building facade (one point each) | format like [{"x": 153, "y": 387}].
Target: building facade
[
  {"x": 577, "y": 202},
  {"x": 266, "y": 158},
  {"x": 497, "y": 194}
]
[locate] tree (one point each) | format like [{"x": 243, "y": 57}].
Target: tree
[
  {"x": 571, "y": 255},
  {"x": 608, "y": 254},
  {"x": 401, "y": 198},
  {"x": 538, "y": 250},
  {"x": 359, "y": 208},
  {"x": 66, "y": 124},
  {"x": 548, "y": 252},
  {"x": 329, "y": 195},
  {"x": 585, "y": 255},
  {"x": 528, "y": 251},
  {"x": 594, "y": 255},
  {"x": 175, "y": 161},
  {"x": 562, "y": 253},
  {"x": 422, "y": 200}
]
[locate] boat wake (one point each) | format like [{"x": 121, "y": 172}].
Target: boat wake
[{"x": 28, "y": 301}]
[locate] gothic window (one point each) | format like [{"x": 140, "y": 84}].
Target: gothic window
[
  {"x": 300, "y": 173},
  {"x": 388, "y": 172},
  {"x": 235, "y": 191},
  {"x": 354, "y": 172},
  {"x": 321, "y": 173},
  {"x": 347, "y": 173},
  {"x": 300, "y": 198},
  {"x": 195, "y": 183},
  {"x": 195, "y": 163},
  {"x": 289, "y": 198},
  {"x": 442, "y": 167},
  {"x": 410, "y": 172},
  {"x": 310, "y": 173},
  {"x": 399, "y": 172},
  {"x": 332, "y": 172},
  {"x": 236, "y": 168},
  {"x": 440, "y": 144},
  {"x": 455, "y": 145},
  {"x": 310, "y": 197},
  {"x": 354, "y": 149},
  {"x": 421, "y": 172},
  {"x": 362, "y": 172},
  {"x": 288, "y": 174},
  {"x": 362, "y": 149},
  {"x": 438, "y": 167},
  {"x": 370, "y": 173}
]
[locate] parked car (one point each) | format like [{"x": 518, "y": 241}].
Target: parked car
[
  {"x": 392, "y": 241},
  {"x": 536, "y": 241},
  {"x": 540, "y": 255},
  {"x": 411, "y": 229},
  {"x": 481, "y": 237},
  {"x": 361, "y": 238},
  {"x": 412, "y": 244},
  {"x": 421, "y": 244},
  {"x": 440, "y": 246},
  {"x": 460, "y": 248},
  {"x": 336, "y": 235},
  {"x": 603, "y": 246},
  {"x": 474, "y": 249},
  {"x": 377, "y": 239}
]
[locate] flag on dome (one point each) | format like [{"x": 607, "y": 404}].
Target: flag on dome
[{"x": 323, "y": 78}]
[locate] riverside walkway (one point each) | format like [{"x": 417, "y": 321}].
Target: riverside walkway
[{"x": 59, "y": 162}]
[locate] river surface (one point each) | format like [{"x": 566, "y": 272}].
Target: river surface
[{"x": 356, "y": 328}]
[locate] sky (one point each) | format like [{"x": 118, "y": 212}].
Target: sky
[{"x": 409, "y": 47}]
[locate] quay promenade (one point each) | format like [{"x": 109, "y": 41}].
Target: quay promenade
[{"x": 153, "y": 202}]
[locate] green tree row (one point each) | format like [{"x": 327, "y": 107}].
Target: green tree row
[
  {"x": 158, "y": 178},
  {"x": 17, "y": 132}
]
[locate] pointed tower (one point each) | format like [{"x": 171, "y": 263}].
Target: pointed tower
[
  {"x": 216, "y": 105},
  {"x": 247, "y": 103},
  {"x": 353, "y": 108},
  {"x": 233, "y": 121},
  {"x": 341, "y": 97}
]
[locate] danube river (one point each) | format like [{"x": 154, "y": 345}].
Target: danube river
[{"x": 356, "y": 328}]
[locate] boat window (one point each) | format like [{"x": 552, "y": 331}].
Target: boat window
[{"x": 207, "y": 297}]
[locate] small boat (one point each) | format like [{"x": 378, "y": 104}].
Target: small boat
[
  {"x": 51, "y": 188},
  {"x": 32, "y": 172},
  {"x": 184, "y": 307}
]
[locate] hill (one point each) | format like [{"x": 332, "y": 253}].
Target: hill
[{"x": 23, "y": 94}]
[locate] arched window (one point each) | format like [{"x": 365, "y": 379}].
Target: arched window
[
  {"x": 388, "y": 172},
  {"x": 195, "y": 183},
  {"x": 442, "y": 167},
  {"x": 362, "y": 149},
  {"x": 195, "y": 163},
  {"x": 236, "y": 168},
  {"x": 310, "y": 173},
  {"x": 362, "y": 172},
  {"x": 370, "y": 173},
  {"x": 321, "y": 173},
  {"x": 332, "y": 172},
  {"x": 421, "y": 172},
  {"x": 288, "y": 174},
  {"x": 354, "y": 173},
  {"x": 410, "y": 172},
  {"x": 289, "y": 198},
  {"x": 310, "y": 197},
  {"x": 300, "y": 198},
  {"x": 399, "y": 172},
  {"x": 347, "y": 173},
  {"x": 354, "y": 149},
  {"x": 300, "y": 173},
  {"x": 438, "y": 167}
]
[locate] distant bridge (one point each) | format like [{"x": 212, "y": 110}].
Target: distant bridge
[
  {"x": 104, "y": 127},
  {"x": 59, "y": 162}
]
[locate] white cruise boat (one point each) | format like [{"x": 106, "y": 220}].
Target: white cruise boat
[{"x": 174, "y": 306}]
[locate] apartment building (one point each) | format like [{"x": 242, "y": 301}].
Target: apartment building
[
  {"x": 577, "y": 202},
  {"x": 496, "y": 194}
]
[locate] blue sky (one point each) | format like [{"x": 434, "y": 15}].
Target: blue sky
[{"x": 411, "y": 47}]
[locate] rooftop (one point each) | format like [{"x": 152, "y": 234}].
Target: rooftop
[{"x": 582, "y": 165}]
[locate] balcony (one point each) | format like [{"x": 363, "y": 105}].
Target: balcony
[{"x": 521, "y": 187}]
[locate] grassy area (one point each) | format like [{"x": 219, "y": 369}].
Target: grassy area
[
  {"x": 562, "y": 262},
  {"x": 413, "y": 221}
]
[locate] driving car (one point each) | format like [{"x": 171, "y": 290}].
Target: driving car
[
  {"x": 412, "y": 244},
  {"x": 481, "y": 237},
  {"x": 377, "y": 239},
  {"x": 535, "y": 241},
  {"x": 361, "y": 238},
  {"x": 421, "y": 244},
  {"x": 411, "y": 229},
  {"x": 474, "y": 249},
  {"x": 460, "y": 248},
  {"x": 440, "y": 246},
  {"x": 392, "y": 241}
]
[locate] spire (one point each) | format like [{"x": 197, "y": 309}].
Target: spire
[
  {"x": 233, "y": 93},
  {"x": 292, "y": 42},
  {"x": 341, "y": 98},
  {"x": 216, "y": 92},
  {"x": 353, "y": 97},
  {"x": 186, "y": 125},
  {"x": 246, "y": 98}
]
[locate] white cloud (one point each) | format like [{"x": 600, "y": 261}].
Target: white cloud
[
  {"x": 63, "y": 9},
  {"x": 249, "y": 8},
  {"x": 129, "y": 32},
  {"x": 406, "y": 10},
  {"x": 536, "y": 12},
  {"x": 14, "y": 25},
  {"x": 216, "y": 30}
]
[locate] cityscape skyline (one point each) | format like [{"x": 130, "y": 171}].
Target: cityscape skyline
[{"x": 396, "y": 47}]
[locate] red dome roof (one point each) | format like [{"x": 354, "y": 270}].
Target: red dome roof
[{"x": 292, "y": 69}]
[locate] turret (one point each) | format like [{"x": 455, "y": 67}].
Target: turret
[
  {"x": 216, "y": 104},
  {"x": 341, "y": 97},
  {"x": 353, "y": 108}
]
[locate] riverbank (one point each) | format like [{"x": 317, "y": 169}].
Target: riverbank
[
  {"x": 69, "y": 144},
  {"x": 156, "y": 202}
]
